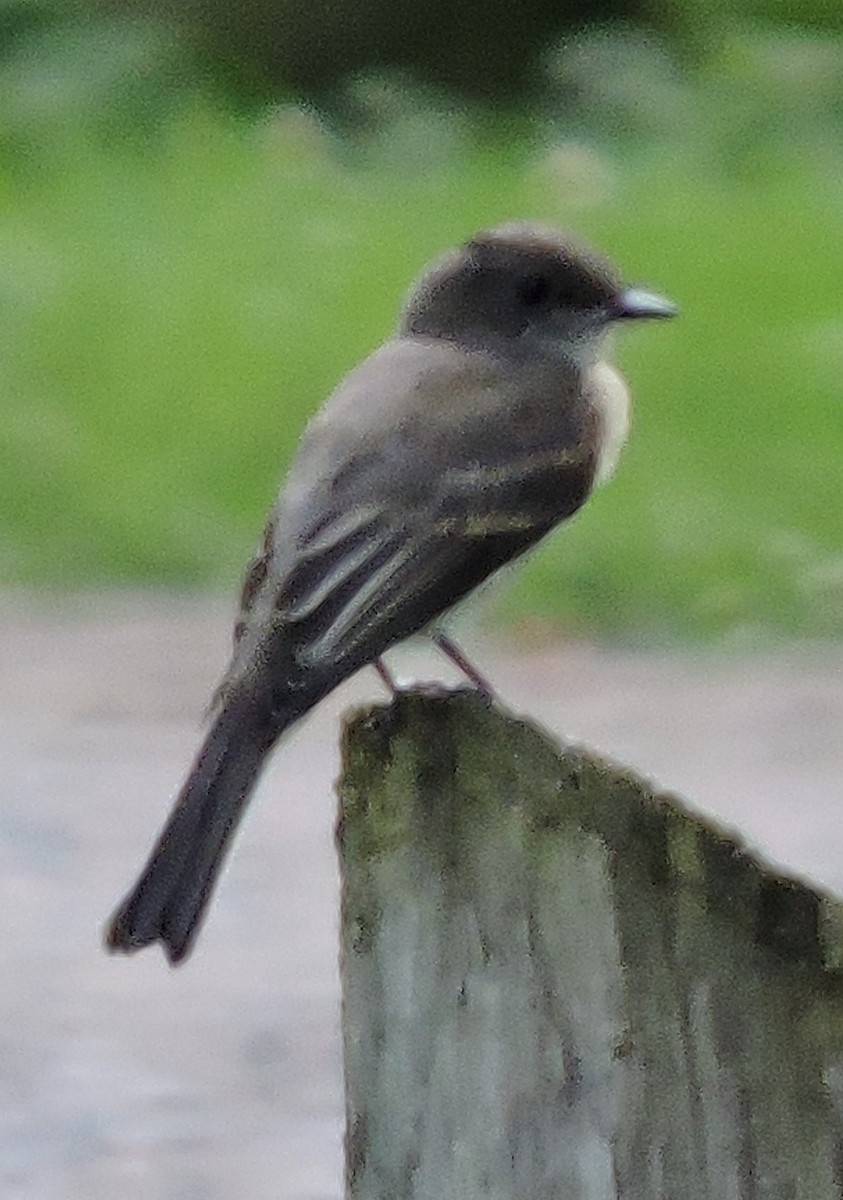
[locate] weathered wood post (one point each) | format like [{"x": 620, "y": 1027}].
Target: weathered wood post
[{"x": 560, "y": 986}]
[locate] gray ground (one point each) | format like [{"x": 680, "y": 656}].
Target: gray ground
[{"x": 122, "y": 1078}]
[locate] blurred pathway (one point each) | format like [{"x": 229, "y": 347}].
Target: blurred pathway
[{"x": 221, "y": 1081}]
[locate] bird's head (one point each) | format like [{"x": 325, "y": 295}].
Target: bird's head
[{"x": 526, "y": 286}]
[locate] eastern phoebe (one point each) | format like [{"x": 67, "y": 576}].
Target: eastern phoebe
[{"x": 453, "y": 448}]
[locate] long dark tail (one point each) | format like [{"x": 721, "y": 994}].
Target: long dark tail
[{"x": 168, "y": 901}]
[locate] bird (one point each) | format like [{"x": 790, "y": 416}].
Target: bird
[{"x": 483, "y": 422}]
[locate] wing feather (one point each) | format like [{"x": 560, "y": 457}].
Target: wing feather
[{"x": 362, "y": 599}]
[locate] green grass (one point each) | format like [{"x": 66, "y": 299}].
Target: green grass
[{"x": 174, "y": 304}]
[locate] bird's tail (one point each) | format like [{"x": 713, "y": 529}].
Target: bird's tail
[{"x": 168, "y": 901}]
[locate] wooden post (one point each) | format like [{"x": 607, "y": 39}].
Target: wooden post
[{"x": 558, "y": 985}]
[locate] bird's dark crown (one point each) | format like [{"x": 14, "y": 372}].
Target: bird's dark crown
[{"x": 502, "y": 280}]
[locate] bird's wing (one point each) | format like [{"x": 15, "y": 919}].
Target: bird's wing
[
  {"x": 412, "y": 485},
  {"x": 374, "y": 575}
]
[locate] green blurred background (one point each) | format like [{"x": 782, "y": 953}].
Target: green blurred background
[{"x": 203, "y": 224}]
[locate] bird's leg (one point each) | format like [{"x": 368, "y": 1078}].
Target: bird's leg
[
  {"x": 451, "y": 650},
  {"x": 386, "y": 678}
]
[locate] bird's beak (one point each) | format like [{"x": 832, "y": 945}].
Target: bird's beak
[{"x": 634, "y": 303}]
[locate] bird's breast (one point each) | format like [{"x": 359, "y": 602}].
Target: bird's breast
[{"x": 609, "y": 398}]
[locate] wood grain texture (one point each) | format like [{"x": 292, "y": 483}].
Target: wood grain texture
[{"x": 560, "y": 984}]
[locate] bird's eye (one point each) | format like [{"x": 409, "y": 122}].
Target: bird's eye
[{"x": 534, "y": 290}]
